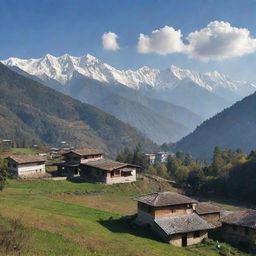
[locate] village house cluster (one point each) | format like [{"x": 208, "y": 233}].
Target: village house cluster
[
  {"x": 175, "y": 218},
  {"x": 87, "y": 163}
]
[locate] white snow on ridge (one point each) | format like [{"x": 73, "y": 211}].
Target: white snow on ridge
[{"x": 62, "y": 69}]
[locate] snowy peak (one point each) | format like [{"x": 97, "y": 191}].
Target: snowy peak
[{"x": 62, "y": 69}]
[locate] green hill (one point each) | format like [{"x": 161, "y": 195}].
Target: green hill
[
  {"x": 31, "y": 113},
  {"x": 234, "y": 127},
  {"x": 79, "y": 219}
]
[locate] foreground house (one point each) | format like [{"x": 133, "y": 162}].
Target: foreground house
[
  {"x": 172, "y": 217},
  {"x": 209, "y": 212},
  {"x": 91, "y": 166},
  {"x": 239, "y": 228},
  {"x": 108, "y": 171},
  {"x": 26, "y": 166}
]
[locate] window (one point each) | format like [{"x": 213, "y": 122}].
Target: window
[
  {"x": 196, "y": 234},
  {"x": 116, "y": 172},
  {"x": 173, "y": 210}
]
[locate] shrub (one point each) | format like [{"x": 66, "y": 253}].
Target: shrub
[{"x": 13, "y": 237}]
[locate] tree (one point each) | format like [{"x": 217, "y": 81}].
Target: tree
[
  {"x": 180, "y": 176},
  {"x": 125, "y": 156},
  {"x": 196, "y": 180},
  {"x": 162, "y": 171},
  {"x": 140, "y": 159},
  {"x": 3, "y": 173}
]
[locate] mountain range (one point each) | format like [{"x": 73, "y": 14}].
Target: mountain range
[
  {"x": 32, "y": 113},
  {"x": 165, "y": 105}
]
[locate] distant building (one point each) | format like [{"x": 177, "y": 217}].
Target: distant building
[
  {"x": 172, "y": 217},
  {"x": 26, "y": 166},
  {"x": 152, "y": 158},
  {"x": 108, "y": 171},
  {"x": 239, "y": 228},
  {"x": 209, "y": 212},
  {"x": 161, "y": 157}
]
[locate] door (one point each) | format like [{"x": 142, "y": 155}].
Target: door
[{"x": 184, "y": 240}]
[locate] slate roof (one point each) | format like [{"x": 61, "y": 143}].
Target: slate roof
[
  {"x": 206, "y": 208},
  {"x": 107, "y": 164},
  {"x": 244, "y": 218},
  {"x": 166, "y": 198},
  {"x": 24, "y": 159},
  {"x": 85, "y": 152},
  {"x": 183, "y": 224}
]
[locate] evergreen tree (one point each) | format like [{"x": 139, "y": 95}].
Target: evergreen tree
[{"x": 3, "y": 173}]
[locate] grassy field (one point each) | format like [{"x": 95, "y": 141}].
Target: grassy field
[
  {"x": 27, "y": 151},
  {"x": 69, "y": 218}
]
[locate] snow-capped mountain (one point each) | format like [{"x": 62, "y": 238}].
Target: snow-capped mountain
[{"x": 62, "y": 70}]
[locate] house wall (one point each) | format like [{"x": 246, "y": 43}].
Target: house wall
[
  {"x": 74, "y": 158},
  {"x": 121, "y": 179},
  {"x": 27, "y": 170},
  {"x": 213, "y": 218},
  {"x": 177, "y": 238},
  {"x": 91, "y": 158},
  {"x": 238, "y": 235},
  {"x": 171, "y": 211},
  {"x": 93, "y": 174}
]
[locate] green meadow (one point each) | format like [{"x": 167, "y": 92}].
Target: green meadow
[{"x": 73, "y": 218}]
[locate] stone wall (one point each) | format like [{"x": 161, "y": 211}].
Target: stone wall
[
  {"x": 177, "y": 238},
  {"x": 213, "y": 218},
  {"x": 239, "y": 235}
]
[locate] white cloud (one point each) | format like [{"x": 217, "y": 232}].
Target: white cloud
[
  {"x": 162, "y": 41},
  {"x": 109, "y": 41},
  {"x": 217, "y": 41}
]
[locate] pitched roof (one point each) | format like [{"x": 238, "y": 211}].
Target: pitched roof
[
  {"x": 85, "y": 152},
  {"x": 183, "y": 224},
  {"x": 164, "y": 199},
  {"x": 23, "y": 159},
  {"x": 245, "y": 218},
  {"x": 107, "y": 164},
  {"x": 206, "y": 208}
]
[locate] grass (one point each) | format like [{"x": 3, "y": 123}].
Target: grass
[
  {"x": 69, "y": 218},
  {"x": 27, "y": 151}
]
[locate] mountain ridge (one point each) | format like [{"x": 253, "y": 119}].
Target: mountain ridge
[{"x": 32, "y": 113}]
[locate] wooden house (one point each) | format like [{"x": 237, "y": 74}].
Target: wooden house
[
  {"x": 239, "y": 228},
  {"x": 26, "y": 166},
  {"x": 209, "y": 212},
  {"x": 172, "y": 217},
  {"x": 74, "y": 158},
  {"x": 108, "y": 171}
]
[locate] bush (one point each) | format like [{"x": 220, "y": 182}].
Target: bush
[{"x": 13, "y": 237}]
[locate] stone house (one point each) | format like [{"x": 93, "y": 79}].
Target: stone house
[
  {"x": 91, "y": 166},
  {"x": 209, "y": 212},
  {"x": 239, "y": 228},
  {"x": 26, "y": 166},
  {"x": 108, "y": 171},
  {"x": 74, "y": 158},
  {"x": 172, "y": 217}
]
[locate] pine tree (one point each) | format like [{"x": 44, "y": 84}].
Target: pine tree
[{"x": 3, "y": 173}]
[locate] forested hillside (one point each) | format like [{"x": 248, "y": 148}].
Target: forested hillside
[
  {"x": 32, "y": 113},
  {"x": 233, "y": 128}
]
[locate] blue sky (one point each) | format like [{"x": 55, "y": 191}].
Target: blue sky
[{"x": 32, "y": 28}]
